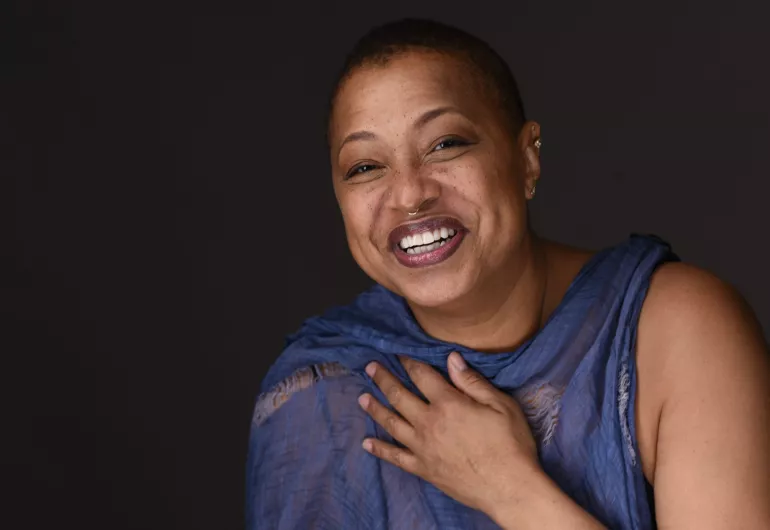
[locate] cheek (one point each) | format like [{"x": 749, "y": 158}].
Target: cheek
[
  {"x": 358, "y": 213},
  {"x": 483, "y": 184},
  {"x": 503, "y": 185}
]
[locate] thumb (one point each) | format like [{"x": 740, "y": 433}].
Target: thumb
[{"x": 469, "y": 381}]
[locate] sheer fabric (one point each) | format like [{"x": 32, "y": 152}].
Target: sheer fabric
[{"x": 575, "y": 380}]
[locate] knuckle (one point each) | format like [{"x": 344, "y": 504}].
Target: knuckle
[
  {"x": 472, "y": 378},
  {"x": 393, "y": 393},
  {"x": 390, "y": 423}
]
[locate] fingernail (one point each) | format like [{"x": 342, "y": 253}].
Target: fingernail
[
  {"x": 457, "y": 361},
  {"x": 367, "y": 445},
  {"x": 371, "y": 368},
  {"x": 363, "y": 400}
]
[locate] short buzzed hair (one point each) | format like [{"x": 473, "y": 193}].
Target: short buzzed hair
[{"x": 384, "y": 42}]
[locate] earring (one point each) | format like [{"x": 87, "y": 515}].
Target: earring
[
  {"x": 537, "y": 142},
  {"x": 532, "y": 191}
]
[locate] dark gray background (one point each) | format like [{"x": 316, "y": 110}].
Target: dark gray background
[{"x": 174, "y": 216}]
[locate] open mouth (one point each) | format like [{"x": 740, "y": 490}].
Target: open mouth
[{"x": 427, "y": 242}]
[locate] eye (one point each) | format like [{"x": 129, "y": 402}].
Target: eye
[
  {"x": 449, "y": 142},
  {"x": 359, "y": 170}
]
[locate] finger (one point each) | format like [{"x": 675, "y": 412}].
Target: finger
[
  {"x": 471, "y": 382},
  {"x": 402, "y": 458},
  {"x": 407, "y": 404},
  {"x": 429, "y": 381},
  {"x": 395, "y": 425}
]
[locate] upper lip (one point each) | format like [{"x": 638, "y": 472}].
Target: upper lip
[{"x": 425, "y": 225}]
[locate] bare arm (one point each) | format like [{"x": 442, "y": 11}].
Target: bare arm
[{"x": 706, "y": 360}]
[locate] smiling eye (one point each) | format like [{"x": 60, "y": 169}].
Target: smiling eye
[
  {"x": 360, "y": 170},
  {"x": 449, "y": 142}
]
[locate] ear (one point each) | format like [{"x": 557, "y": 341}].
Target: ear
[{"x": 529, "y": 140}]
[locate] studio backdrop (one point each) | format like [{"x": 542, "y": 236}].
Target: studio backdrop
[{"x": 174, "y": 216}]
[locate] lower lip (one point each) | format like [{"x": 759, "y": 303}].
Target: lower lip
[{"x": 433, "y": 257}]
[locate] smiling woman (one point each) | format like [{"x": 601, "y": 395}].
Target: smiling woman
[
  {"x": 493, "y": 378},
  {"x": 412, "y": 136}
]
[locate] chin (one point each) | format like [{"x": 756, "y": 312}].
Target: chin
[
  {"x": 434, "y": 293},
  {"x": 430, "y": 286}
]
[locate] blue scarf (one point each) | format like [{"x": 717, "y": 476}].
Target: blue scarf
[{"x": 575, "y": 380}]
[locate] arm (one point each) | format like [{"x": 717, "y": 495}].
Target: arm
[
  {"x": 543, "y": 506},
  {"x": 703, "y": 354}
]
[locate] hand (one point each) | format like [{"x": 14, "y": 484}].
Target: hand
[{"x": 471, "y": 440}]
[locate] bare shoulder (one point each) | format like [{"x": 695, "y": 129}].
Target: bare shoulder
[
  {"x": 691, "y": 317},
  {"x": 694, "y": 326},
  {"x": 682, "y": 298},
  {"x": 702, "y": 400}
]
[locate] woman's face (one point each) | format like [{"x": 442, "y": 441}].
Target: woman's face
[{"x": 421, "y": 131}]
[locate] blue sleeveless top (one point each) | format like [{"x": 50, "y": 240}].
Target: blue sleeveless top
[{"x": 575, "y": 380}]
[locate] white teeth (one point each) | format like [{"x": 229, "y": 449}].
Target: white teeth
[
  {"x": 426, "y": 241},
  {"x": 425, "y": 248}
]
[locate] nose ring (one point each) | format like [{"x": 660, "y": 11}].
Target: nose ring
[{"x": 419, "y": 207}]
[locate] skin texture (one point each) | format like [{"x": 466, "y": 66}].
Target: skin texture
[
  {"x": 703, "y": 376},
  {"x": 704, "y": 403},
  {"x": 481, "y": 179}
]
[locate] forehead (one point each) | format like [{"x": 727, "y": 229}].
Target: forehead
[{"x": 404, "y": 86}]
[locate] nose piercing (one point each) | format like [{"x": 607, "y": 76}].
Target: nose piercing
[{"x": 417, "y": 210}]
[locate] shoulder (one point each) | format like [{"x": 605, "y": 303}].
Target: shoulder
[
  {"x": 689, "y": 287},
  {"x": 687, "y": 307},
  {"x": 306, "y": 429},
  {"x": 304, "y": 425},
  {"x": 312, "y": 388},
  {"x": 693, "y": 326},
  {"x": 698, "y": 345}
]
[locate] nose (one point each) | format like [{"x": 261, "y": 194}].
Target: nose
[{"x": 413, "y": 190}]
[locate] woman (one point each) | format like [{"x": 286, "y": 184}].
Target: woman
[{"x": 578, "y": 382}]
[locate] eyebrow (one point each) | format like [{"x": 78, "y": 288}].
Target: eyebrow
[
  {"x": 420, "y": 122},
  {"x": 423, "y": 120},
  {"x": 357, "y": 136}
]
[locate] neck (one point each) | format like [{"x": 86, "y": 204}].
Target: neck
[{"x": 500, "y": 315}]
